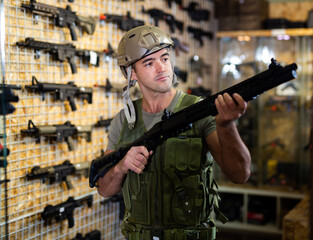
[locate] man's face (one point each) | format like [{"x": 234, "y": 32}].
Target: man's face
[{"x": 154, "y": 73}]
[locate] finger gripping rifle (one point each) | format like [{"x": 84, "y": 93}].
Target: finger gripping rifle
[{"x": 173, "y": 125}]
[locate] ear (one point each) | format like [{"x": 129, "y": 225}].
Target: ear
[{"x": 134, "y": 75}]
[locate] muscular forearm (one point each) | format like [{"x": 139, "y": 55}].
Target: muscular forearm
[
  {"x": 111, "y": 183},
  {"x": 235, "y": 157}
]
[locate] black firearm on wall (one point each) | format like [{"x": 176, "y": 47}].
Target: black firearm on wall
[
  {"x": 124, "y": 23},
  {"x": 62, "y": 92},
  {"x": 174, "y": 124},
  {"x": 108, "y": 87},
  {"x": 93, "y": 235},
  {"x": 59, "y": 173},
  {"x": 7, "y": 96},
  {"x": 103, "y": 123},
  {"x": 59, "y": 132},
  {"x": 199, "y": 91},
  {"x": 170, "y": 20},
  {"x": 198, "y": 34},
  {"x": 65, "y": 210},
  {"x": 62, "y": 52},
  {"x": 196, "y": 13},
  {"x": 63, "y": 17}
]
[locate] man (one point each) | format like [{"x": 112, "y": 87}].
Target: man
[{"x": 169, "y": 192}]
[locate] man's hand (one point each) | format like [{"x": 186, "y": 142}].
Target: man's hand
[
  {"x": 228, "y": 109},
  {"x": 135, "y": 160}
]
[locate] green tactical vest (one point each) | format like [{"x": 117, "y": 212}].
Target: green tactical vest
[{"x": 174, "y": 196}]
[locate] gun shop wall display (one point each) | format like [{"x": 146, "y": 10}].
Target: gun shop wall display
[{"x": 60, "y": 88}]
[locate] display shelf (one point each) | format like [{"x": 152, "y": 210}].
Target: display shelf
[
  {"x": 269, "y": 228},
  {"x": 277, "y": 195},
  {"x": 267, "y": 33}
]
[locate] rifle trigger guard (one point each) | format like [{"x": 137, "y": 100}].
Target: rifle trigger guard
[{"x": 166, "y": 114}]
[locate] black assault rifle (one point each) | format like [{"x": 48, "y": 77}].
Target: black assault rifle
[
  {"x": 124, "y": 23},
  {"x": 176, "y": 123},
  {"x": 65, "y": 210},
  {"x": 170, "y": 20},
  {"x": 59, "y": 132},
  {"x": 62, "y": 92},
  {"x": 63, "y": 17},
  {"x": 59, "y": 173},
  {"x": 62, "y": 52}
]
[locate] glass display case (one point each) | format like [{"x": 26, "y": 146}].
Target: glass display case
[{"x": 275, "y": 126}]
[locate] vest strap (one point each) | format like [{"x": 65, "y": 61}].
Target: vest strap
[
  {"x": 179, "y": 188},
  {"x": 219, "y": 215},
  {"x": 174, "y": 234}
]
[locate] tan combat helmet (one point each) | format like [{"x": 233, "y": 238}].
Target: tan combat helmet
[
  {"x": 136, "y": 44},
  {"x": 140, "y": 42}
]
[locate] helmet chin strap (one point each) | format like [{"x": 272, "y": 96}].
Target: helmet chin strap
[
  {"x": 175, "y": 80},
  {"x": 129, "y": 109}
]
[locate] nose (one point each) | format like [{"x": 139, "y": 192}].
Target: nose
[{"x": 160, "y": 66}]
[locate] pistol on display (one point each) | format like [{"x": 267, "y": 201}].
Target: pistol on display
[
  {"x": 62, "y": 52},
  {"x": 59, "y": 173},
  {"x": 63, "y": 17},
  {"x": 62, "y": 92},
  {"x": 172, "y": 125},
  {"x": 59, "y": 132},
  {"x": 65, "y": 210}
]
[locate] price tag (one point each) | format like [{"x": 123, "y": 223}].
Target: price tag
[
  {"x": 93, "y": 58},
  {"x": 277, "y": 32}
]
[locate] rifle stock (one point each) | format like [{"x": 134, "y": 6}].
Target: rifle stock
[{"x": 181, "y": 121}]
